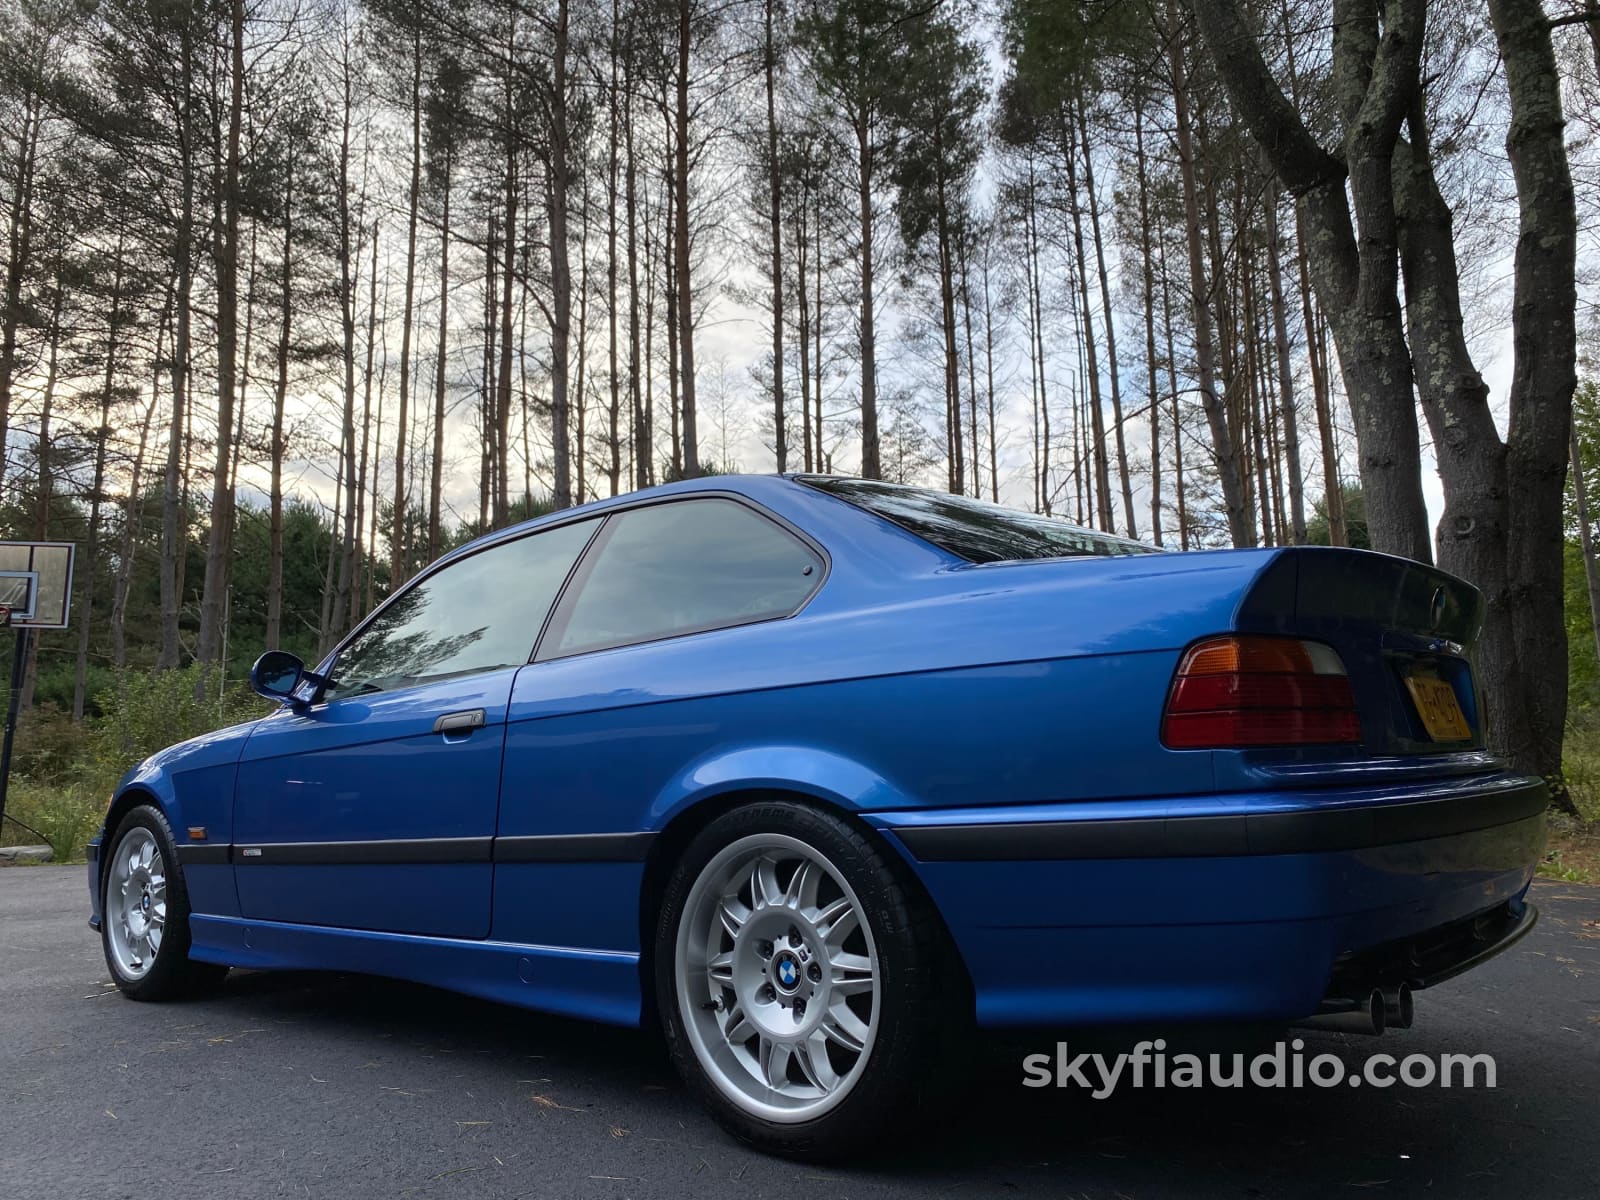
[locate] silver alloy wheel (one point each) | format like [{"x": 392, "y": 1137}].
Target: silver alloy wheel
[
  {"x": 777, "y": 978},
  {"x": 136, "y": 902}
]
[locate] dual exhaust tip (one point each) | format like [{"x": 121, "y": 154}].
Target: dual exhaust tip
[{"x": 1371, "y": 1013}]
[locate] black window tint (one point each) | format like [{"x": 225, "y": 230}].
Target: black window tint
[
  {"x": 478, "y": 614},
  {"x": 973, "y": 529},
  {"x": 681, "y": 568}
]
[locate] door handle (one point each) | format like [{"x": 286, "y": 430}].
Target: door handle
[{"x": 461, "y": 722}]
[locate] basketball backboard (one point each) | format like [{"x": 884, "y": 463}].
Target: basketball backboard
[{"x": 36, "y": 582}]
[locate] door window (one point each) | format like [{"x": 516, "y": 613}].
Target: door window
[
  {"x": 479, "y": 613},
  {"x": 681, "y": 568}
]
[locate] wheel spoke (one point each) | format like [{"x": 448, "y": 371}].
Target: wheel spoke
[
  {"x": 812, "y": 1056},
  {"x": 824, "y": 918},
  {"x": 801, "y": 893},
  {"x": 851, "y": 974},
  {"x": 764, "y": 889},
  {"x": 842, "y": 927},
  {"x": 720, "y": 968},
  {"x": 775, "y": 1056},
  {"x": 732, "y": 914},
  {"x": 843, "y": 1027}
]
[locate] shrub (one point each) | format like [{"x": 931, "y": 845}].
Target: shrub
[
  {"x": 145, "y": 711},
  {"x": 50, "y": 748},
  {"x": 66, "y": 817}
]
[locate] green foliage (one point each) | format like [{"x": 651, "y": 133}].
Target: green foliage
[
  {"x": 1583, "y": 664},
  {"x": 1355, "y": 520},
  {"x": 1580, "y": 764},
  {"x": 66, "y": 817},
  {"x": 148, "y": 710},
  {"x": 50, "y": 747},
  {"x": 1054, "y": 49},
  {"x": 1586, "y": 425}
]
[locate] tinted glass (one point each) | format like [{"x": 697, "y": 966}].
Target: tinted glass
[
  {"x": 479, "y": 614},
  {"x": 680, "y": 568},
  {"x": 973, "y": 529}
]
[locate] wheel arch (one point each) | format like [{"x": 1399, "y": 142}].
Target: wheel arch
[
  {"x": 130, "y": 798},
  {"x": 687, "y": 823}
]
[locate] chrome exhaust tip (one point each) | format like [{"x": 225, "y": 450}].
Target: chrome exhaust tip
[{"x": 1399, "y": 1010}]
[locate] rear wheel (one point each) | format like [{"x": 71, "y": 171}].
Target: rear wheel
[
  {"x": 144, "y": 914},
  {"x": 795, "y": 978}
]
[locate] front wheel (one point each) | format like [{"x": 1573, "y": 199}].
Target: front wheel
[
  {"x": 795, "y": 978},
  {"x": 144, "y": 914}
]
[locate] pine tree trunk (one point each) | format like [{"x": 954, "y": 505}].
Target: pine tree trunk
[
  {"x": 398, "y": 559},
  {"x": 560, "y": 281},
  {"x": 91, "y": 567},
  {"x": 19, "y": 246},
  {"x": 642, "y": 433},
  {"x": 342, "y": 554},
  {"x": 681, "y": 245},
  {"x": 871, "y": 463},
  {"x": 280, "y": 395},
  {"x": 1373, "y": 81},
  {"x": 133, "y": 508},
  {"x": 440, "y": 377},
  {"x": 1113, "y": 368},
  {"x": 1222, "y": 443},
  {"x": 803, "y": 325},
  {"x": 775, "y": 225},
  {"x": 1286, "y": 400},
  {"x": 1090, "y": 373},
  {"x": 613, "y": 381},
  {"x": 219, "y": 546},
  {"x": 371, "y": 441},
  {"x": 1544, "y": 344},
  {"x": 1147, "y": 261},
  {"x": 947, "y": 325},
  {"x": 1591, "y": 568},
  {"x": 174, "y": 510}
]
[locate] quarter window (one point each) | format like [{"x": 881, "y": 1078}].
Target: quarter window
[
  {"x": 480, "y": 613},
  {"x": 681, "y": 568}
]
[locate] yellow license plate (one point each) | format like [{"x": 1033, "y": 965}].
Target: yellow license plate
[{"x": 1439, "y": 709}]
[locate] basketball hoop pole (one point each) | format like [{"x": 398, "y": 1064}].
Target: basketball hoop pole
[{"x": 19, "y": 659}]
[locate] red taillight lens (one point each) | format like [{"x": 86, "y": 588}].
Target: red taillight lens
[{"x": 1233, "y": 692}]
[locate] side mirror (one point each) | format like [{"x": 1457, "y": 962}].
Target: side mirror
[{"x": 276, "y": 675}]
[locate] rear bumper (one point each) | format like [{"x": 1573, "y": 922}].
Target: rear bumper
[{"x": 1233, "y": 907}]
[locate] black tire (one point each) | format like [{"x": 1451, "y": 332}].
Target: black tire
[
  {"x": 172, "y": 974},
  {"x": 918, "y": 1009}
]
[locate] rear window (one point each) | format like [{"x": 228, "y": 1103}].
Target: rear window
[{"x": 973, "y": 529}]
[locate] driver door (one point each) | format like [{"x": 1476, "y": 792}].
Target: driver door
[{"x": 375, "y": 808}]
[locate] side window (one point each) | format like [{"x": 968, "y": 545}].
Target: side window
[
  {"x": 480, "y": 613},
  {"x": 681, "y": 568}
]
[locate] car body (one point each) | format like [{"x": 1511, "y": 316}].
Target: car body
[{"x": 994, "y": 729}]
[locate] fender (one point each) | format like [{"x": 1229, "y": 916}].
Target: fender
[
  {"x": 192, "y": 783},
  {"x": 807, "y": 770}
]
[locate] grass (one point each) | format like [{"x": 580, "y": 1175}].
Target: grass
[
  {"x": 65, "y": 817},
  {"x": 1573, "y": 852}
]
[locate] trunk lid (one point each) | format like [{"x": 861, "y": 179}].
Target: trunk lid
[{"x": 1404, "y": 630}]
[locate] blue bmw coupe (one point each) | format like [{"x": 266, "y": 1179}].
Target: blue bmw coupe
[{"x": 816, "y": 772}]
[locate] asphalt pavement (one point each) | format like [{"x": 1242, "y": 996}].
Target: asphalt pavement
[{"x": 306, "y": 1085}]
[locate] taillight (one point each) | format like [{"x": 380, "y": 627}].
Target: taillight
[{"x": 1232, "y": 692}]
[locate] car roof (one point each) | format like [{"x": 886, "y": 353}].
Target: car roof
[{"x": 755, "y": 487}]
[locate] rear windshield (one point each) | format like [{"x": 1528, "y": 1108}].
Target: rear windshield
[{"x": 973, "y": 529}]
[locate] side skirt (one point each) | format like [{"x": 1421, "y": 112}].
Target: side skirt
[{"x": 594, "y": 985}]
